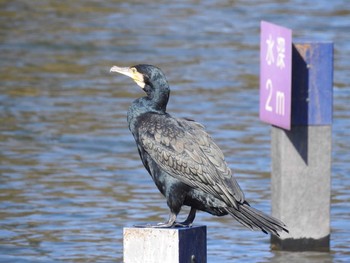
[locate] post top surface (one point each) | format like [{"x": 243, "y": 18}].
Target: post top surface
[{"x": 165, "y": 229}]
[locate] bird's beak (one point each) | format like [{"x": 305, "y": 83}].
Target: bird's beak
[
  {"x": 130, "y": 72},
  {"x": 124, "y": 71}
]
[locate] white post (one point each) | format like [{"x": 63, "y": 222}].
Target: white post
[{"x": 170, "y": 245}]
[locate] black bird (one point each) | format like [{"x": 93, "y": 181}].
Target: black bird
[{"x": 184, "y": 162}]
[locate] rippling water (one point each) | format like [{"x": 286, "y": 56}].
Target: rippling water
[{"x": 70, "y": 175}]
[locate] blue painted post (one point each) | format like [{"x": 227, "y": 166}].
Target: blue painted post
[
  {"x": 301, "y": 157},
  {"x": 312, "y": 84}
]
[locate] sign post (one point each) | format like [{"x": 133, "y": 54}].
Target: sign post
[{"x": 301, "y": 151}]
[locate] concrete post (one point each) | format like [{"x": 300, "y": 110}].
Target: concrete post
[
  {"x": 301, "y": 157},
  {"x": 171, "y": 245}
]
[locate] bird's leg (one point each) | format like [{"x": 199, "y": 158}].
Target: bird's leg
[
  {"x": 169, "y": 223},
  {"x": 172, "y": 221},
  {"x": 189, "y": 220}
]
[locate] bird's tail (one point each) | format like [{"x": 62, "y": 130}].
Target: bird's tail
[{"x": 256, "y": 220}]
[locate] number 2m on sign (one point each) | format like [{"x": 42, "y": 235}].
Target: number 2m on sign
[{"x": 279, "y": 99}]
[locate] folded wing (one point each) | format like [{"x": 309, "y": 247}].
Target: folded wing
[{"x": 183, "y": 149}]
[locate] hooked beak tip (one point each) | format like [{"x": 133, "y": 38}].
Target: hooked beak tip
[{"x": 113, "y": 69}]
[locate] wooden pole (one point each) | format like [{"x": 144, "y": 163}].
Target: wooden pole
[
  {"x": 171, "y": 245},
  {"x": 301, "y": 157}
]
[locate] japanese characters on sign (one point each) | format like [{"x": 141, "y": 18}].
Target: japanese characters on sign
[{"x": 275, "y": 75}]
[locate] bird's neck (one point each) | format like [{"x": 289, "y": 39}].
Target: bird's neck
[
  {"x": 141, "y": 106},
  {"x": 157, "y": 96}
]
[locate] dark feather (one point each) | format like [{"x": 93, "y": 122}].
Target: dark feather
[{"x": 184, "y": 150}]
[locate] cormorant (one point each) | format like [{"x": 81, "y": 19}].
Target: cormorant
[{"x": 184, "y": 162}]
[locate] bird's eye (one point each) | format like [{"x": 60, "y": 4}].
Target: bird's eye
[{"x": 133, "y": 70}]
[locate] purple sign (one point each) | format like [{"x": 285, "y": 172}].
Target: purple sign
[{"x": 275, "y": 75}]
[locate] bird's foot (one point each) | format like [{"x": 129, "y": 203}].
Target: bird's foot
[
  {"x": 143, "y": 225},
  {"x": 166, "y": 225},
  {"x": 172, "y": 221},
  {"x": 183, "y": 224},
  {"x": 158, "y": 225}
]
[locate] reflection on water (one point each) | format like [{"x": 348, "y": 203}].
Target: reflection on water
[{"x": 70, "y": 175}]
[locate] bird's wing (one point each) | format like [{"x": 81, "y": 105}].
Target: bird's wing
[{"x": 183, "y": 149}]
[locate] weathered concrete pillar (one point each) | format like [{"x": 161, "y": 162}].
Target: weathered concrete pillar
[
  {"x": 301, "y": 186},
  {"x": 171, "y": 245},
  {"x": 301, "y": 157}
]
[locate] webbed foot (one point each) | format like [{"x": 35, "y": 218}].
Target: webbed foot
[{"x": 172, "y": 221}]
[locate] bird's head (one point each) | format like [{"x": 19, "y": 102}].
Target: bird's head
[
  {"x": 151, "y": 79},
  {"x": 144, "y": 75}
]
